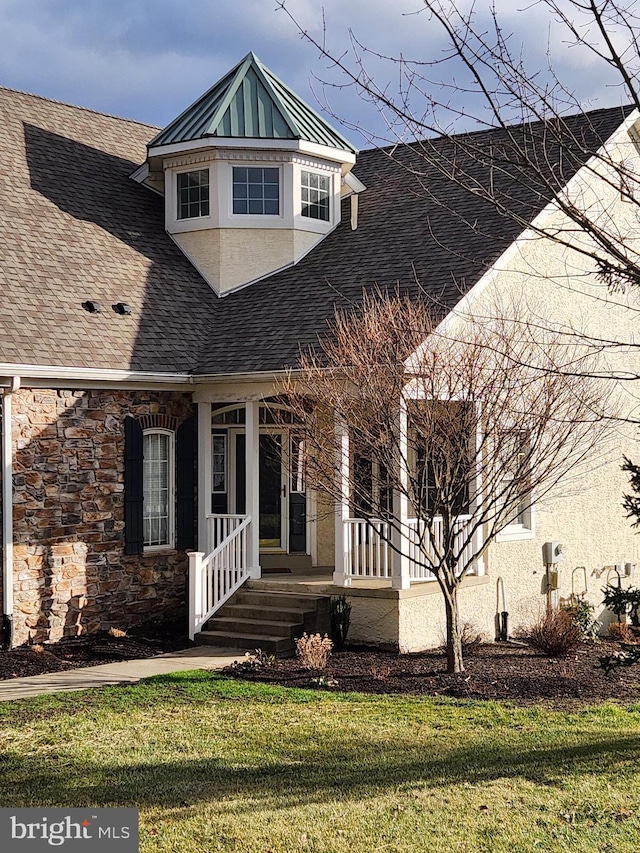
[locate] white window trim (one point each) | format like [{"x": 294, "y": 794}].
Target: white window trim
[
  {"x": 256, "y": 220},
  {"x": 306, "y": 223},
  {"x": 321, "y": 173},
  {"x": 225, "y": 438},
  {"x": 196, "y": 167},
  {"x": 171, "y": 544},
  {"x": 516, "y": 532}
]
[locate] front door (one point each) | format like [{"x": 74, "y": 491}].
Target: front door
[
  {"x": 282, "y": 498},
  {"x": 272, "y": 488}
]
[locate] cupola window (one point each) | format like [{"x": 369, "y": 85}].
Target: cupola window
[
  {"x": 256, "y": 191},
  {"x": 193, "y": 194},
  {"x": 315, "y": 195}
]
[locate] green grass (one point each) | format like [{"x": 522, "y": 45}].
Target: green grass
[{"x": 217, "y": 765}]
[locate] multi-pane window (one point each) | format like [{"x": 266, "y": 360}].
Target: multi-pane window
[
  {"x": 193, "y": 194},
  {"x": 515, "y": 455},
  {"x": 315, "y": 195},
  {"x": 219, "y": 459},
  {"x": 297, "y": 463},
  {"x": 158, "y": 468},
  {"x": 256, "y": 190}
]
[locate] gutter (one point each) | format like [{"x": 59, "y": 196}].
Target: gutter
[
  {"x": 38, "y": 371},
  {"x": 7, "y": 514}
]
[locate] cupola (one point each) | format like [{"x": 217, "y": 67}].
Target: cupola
[{"x": 252, "y": 177}]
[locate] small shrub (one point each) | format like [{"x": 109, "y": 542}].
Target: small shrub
[
  {"x": 117, "y": 632},
  {"x": 628, "y": 656},
  {"x": 620, "y": 632},
  {"x": 253, "y": 662},
  {"x": 314, "y": 651},
  {"x": 581, "y": 613},
  {"x": 623, "y": 601},
  {"x": 324, "y": 681},
  {"x": 340, "y": 612},
  {"x": 380, "y": 671},
  {"x": 555, "y": 634}
]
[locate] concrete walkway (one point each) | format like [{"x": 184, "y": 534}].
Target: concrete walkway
[{"x": 125, "y": 672}]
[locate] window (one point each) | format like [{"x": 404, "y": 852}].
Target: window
[
  {"x": 193, "y": 194},
  {"x": 441, "y": 449},
  {"x": 256, "y": 191},
  {"x": 219, "y": 454},
  {"x": 372, "y": 488},
  {"x": 158, "y": 468},
  {"x": 297, "y": 463},
  {"x": 514, "y": 458},
  {"x": 315, "y": 195}
]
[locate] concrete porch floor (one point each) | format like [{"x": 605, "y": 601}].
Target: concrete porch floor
[{"x": 319, "y": 581}]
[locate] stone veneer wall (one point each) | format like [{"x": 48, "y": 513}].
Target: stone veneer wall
[{"x": 71, "y": 573}]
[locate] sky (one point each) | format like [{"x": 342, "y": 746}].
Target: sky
[{"x": 149, "y": 59}]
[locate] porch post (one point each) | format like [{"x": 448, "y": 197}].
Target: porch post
[
  {"x": 400, "y": 577},
  {"x": 341, "y": 574},
  {"x": 478, "y": 497},
  {"x": 205, "y": 475},
  {"x": 252, "y": 449}
]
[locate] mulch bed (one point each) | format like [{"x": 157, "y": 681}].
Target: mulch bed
[
  {"x": 93, "y": 649},
  {"x": 493, "y": 671}
]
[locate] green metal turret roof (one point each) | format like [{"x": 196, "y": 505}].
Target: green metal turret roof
[{"x": 250, "y": 102}]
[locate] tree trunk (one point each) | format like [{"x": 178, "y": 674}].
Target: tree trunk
[{"x": 454, "y": 633}]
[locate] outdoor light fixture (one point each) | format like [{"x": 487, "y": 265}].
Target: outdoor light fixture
[
  {"x": 92, "y": 306},
  {"x": 122, "y": 308}
]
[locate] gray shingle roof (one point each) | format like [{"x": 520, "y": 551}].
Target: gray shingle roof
[{"x": 74, "y": 226}]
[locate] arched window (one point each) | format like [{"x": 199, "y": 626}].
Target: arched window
[{"x": 159, "y": 488}]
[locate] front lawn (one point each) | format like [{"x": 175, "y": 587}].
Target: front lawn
[{"x": 218, "y": 765}]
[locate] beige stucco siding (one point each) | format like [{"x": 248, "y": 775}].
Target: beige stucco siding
[
  {"x": 559, "y": 290},
  {"x": 221, "y": 255}
]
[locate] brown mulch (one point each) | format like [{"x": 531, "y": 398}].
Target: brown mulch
[
  {"x": 143, "y": 642},
  {"x": 493, "y": 671}
]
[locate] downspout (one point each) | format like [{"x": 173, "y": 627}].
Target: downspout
[{"x": 7, "y": 515}]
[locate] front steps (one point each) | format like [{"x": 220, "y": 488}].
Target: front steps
[{"x": 270, "y": 621}]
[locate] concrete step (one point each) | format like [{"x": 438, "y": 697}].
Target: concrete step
[
  {"x": 230, "y": 625},
  {"x": 255, "y": 618},
  {"x": 268, "y": 598},
  {"x": 257, "y": 611},
  {"x": 271, "y": 645},
  {"x": 286, "y": 562}
]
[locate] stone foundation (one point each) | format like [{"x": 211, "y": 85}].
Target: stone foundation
[{"x": 71, "y": 572}]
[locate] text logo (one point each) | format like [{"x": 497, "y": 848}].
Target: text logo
[{"x": 36, "y": 830}]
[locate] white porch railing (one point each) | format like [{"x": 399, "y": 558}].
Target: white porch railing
[
  {"x": 219, "y": 527},
  {"x": 369, "y": 555},
  {"x": 213, "y": 578},
  {"x": 423, "y": 547}
]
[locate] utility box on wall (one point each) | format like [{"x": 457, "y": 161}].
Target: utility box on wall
[{"x": 551, "y": 553}]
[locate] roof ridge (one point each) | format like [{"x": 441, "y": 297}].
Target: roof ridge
[
  {"x": 77, "y": 107},
  {"x": 479, "y": 130}
]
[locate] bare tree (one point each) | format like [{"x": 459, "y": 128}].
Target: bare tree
[
  {"x": 481, "y": 81},
  {"x": 452, "y": 435}
]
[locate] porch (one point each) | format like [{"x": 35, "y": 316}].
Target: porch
[{"x": 254, "y": 502}]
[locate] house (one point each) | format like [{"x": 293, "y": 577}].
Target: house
[{"x": 155, "y": 287}]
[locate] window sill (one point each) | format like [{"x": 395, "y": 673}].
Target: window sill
[
  {"x": 153, "y": 550},
  {"x": 515, "y": 533}
]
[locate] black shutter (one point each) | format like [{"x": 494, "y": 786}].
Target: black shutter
[
  {"x": 186, "y": 484},
  {"x": 133, "y": 487}
]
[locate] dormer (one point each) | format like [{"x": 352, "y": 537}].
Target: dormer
[{"x": 252, "y": 177}]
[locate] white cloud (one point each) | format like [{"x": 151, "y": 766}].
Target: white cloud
[{"x": 148, "y": 59}]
